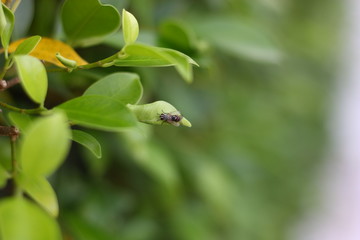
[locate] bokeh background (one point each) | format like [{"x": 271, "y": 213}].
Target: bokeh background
[{"x": 259, "y": 106}]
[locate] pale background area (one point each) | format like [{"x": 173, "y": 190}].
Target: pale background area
[{"x": 338, "y": 216}]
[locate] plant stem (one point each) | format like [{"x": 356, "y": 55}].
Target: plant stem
[
  {"x": 6, "y": 65},
  {"x": 99, "y": 63},
  {"x": 8, "y": 84},
  {"x": 14, "y": 163},
  {"x": 28, "y": 111}
]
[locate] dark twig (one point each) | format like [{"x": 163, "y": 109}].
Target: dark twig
[
  {"x": 8, "y": 84},
  {"x": 10, "y": 131}
]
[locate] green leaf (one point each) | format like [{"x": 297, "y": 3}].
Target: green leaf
[
  {"x": 87, "y": 141},
  {"x": 3, "y": 21},
  {"x": 27, "y": 45},
  {"x": 139, "y": 55},
  {"x": 20, "y": 120},
  {"x": 148, "y": 56},
  {"x": 33, "y": 77},
  {"x": 150, "y": 113},
  {"x": 99, "y": 112},
  {"x": 239, "y": 38},
  {"x": 20, "y": 219},
  {"x": 182, "y": 63},
  {"x": 124, "y": 87},
  {"x": 87, "y": 23},
  {"x": 45, "y": 145},
  {"x": 41, "y": 191},
  {"x": 130, "y": 27},
  {"x": 8, "y": 27},
  {"x": 175, "y": 34},
  {"x": 4, "y": 176}
]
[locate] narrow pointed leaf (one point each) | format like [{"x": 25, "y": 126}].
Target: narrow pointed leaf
[
  {"x": 3, "y": 21},
  {"x": 27, "y": 45},
  {"x": 87, "y": 141},
  {"x": 8, "y": 27}
]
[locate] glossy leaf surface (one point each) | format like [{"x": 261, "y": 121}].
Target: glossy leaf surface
[
  {"x": 124, "y": 87},
  {"x": 100, "y": 112},
  {"x": 148, "y": 56},
  {"x": 87, "y": 141},
  {"x": 45, "y": 145},
  {"x": 130, "y": 27},
  {"x": 26, "y": 46},
  {"x": 88, "y": 22},
  {"x": 33, "y": 77}
]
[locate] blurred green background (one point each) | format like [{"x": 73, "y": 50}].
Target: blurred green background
[{"x": 258, "y": 107}]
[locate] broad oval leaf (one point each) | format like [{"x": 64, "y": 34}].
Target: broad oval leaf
[
  {"x": 8, "y": 26},
  {"x": 99, "y": 112},
  {"x": 130, "y": 27},
  {"x": 87, "y": 141},
  {"x": 124, "y": 87},
  {"x": 148, "y": 56},
  {"x": 33, "y": 77},
  {"x": 26, "y": 46},
  {"x": 20, "y": 219},
  {"x": 45, "y": 145},
  {"x": 47, "y": 48},
  {"x": 87, "y": 23},
  {"x": 41, "y": 191}
]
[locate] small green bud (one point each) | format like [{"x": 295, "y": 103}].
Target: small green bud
[
  {"x": 66, "y": 62},
  {"x": 159, "y": 113},
  {"x": 130, "y": 27}
]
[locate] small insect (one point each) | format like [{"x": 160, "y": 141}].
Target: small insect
[{"x": 170, "y": 118}]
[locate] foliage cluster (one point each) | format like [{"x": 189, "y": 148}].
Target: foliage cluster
[{"x": 257, "y": 109}]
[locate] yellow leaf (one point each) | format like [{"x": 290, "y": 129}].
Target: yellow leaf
[
  {"x": 47, "y": 49},
  {"x": 3, "y": 1}
]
